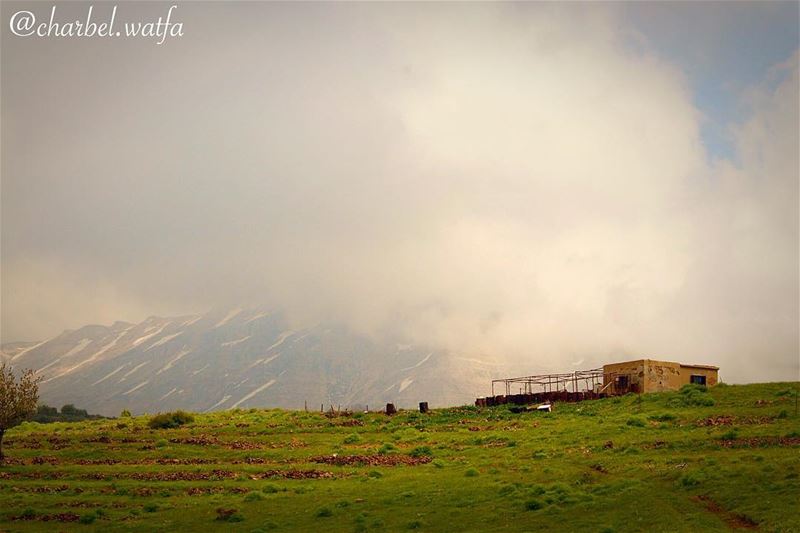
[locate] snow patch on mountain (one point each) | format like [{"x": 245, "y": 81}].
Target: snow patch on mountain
[
  {"x": 228, "y": 317},
  {"x": 418, "y": 364},
  {"x": 281, "y": 338},
  {"x": 167, "y": 395},
  {"x": 234, "y": 343},
  {"x": 26, "y": 350},
  {"x": 163, "y": 340},
  {"x": 109, "y": 374},
  {"x": 134, "y": 369},
  {"x": 248, "y": 396},
  {"x": 219, "y": 403},
  {"x": 404, "y": 385},
  {"x": 178, "y": 357},
  {"x": 195, "y": 372},
  {"x": 140, "y": 340},
  {"x": 191, "y": 321},
  {"x": 137, "y": 387}
]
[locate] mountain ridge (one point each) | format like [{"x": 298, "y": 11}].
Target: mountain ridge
[{"x": 240, "y": 357}]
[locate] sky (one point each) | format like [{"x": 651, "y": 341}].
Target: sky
[{"x": 533, "y": 183}]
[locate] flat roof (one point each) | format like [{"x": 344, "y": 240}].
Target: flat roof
[
  {"x": 707, "y": 367},
  {"x": 686, "y": 365}
]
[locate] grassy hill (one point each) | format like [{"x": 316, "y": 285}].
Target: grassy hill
[{"x": 685, "y": 461}]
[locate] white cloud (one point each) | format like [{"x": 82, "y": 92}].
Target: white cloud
[{"x": 511, "y": 182}]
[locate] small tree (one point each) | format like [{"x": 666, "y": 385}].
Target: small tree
[{"x": 18, "y": 399}]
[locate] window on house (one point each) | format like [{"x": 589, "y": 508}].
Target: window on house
[{"x": 698, "y": 380}]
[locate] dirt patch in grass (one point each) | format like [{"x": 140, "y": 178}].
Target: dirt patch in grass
[
  {"x": 93, "y": 462},
  {"x": 32, "y": 475},
  {"x": 760, "y": 442},
  {"x": 599, "y": 468},
  {"x": 199, "y": 440},
  {"x": 205, "y": 440},
  {"x": 44, "y": 489},
  {"x": 30, "y": 444},
  {"x": 723, "y": 420},
  {"x": 734, "y": 520},
  {"x": 349, "y": 422},
  {"x": 58, "y": 517},
  {"x": 216, "y": 475},
  {"x": 293, "y": 474},
  {"x": 727, "y": 420},
  {"x": 191, "y": 461},
  {"x": 211, "y": 475},
  {"x": 371, "y": 460}
]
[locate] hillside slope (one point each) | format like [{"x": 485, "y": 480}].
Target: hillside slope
[
  {"x": 240, "y": 358},
  {"x": 662, "y": 462}
]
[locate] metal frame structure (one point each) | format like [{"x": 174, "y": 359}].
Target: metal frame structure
[{"x": 548, "y": 383}]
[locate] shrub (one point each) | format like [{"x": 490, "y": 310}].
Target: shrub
[
  {"x": 269, "y": 489},
  {"x": 537, "y": 490},
  {"x": 324, "y": 512},
  {"x": 783, "y": 414},
  {"x": 690, "y": 480},
  {"x": 170, "y": 420},
  {"x": 505, "y": 490},
  {"x": 421, "y": 451},
  {"x": 253, "y": 496},
  {"x": 663, "y": 417},
  {"x": 375, "y": 474},
  {"x": 471, "y": 472},
  {"x": 228, "y": 515},
  {"x": 386, "y": 448},
  {"x": 28, "y": 514},
  {"x": 125, "y": 414},
  {"x": 352, "y": 439},
  {"x": 87, "y": 518},
  {"x": 693, "y": 387},
  {"x": 438, "y": 463},
  {"x": 160, "y": 443},
  {"x": 692, "y": 395},
  {"x": 150, "y": 508},
  {"x": 533, "y": 505},
  {"x": 638, "y": 422}
]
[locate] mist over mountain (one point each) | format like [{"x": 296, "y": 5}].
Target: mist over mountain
[
  {"x": 533, "y": 183},
  {"x": 240, "y": 358}
]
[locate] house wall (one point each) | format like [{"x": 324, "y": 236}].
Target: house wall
[
  {"x": 663, "y": 375},
  {"x": 648, "y": 375},
  {"x": 633, "y": 369},
  {"x": 711, "y": 374}
]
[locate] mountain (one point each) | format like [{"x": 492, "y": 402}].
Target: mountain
[{"x": 240, "y": 358}]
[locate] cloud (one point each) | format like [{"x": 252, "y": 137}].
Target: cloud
[{"x": 513, "y": 182}]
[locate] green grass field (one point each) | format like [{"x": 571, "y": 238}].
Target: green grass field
[{"x": 658, "y": 462}]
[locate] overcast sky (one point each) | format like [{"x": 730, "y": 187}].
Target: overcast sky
[{"x": 532, "y": 182}]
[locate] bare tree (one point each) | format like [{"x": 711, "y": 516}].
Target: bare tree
[{"x": 18, "y": 399}]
